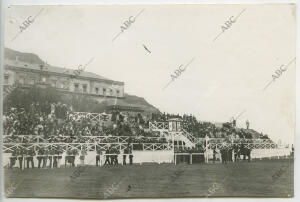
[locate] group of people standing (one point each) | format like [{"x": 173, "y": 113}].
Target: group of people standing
[
  {"x": 42, "y": 155},
  {"x": 233, "y": 153},
  {"x": 51, "y": 156},
  {"x": 111, "y": 156}
]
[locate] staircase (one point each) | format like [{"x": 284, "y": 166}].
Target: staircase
[
  {"x": 191, "y": 141},
  {"x": 184, "y": 136},
  {"x": 7, "y": 89}
]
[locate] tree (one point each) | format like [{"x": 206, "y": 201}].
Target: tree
[{"x": 23, "y": 98}]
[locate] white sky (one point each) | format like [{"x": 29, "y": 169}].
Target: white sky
[{"x": 226, "y": 77}]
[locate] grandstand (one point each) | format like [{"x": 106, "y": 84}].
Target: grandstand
[
  {"x": 163, "y": 141},
  {"x": 47, "y": 113}
]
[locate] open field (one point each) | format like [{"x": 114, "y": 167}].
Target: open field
[{"x": 152, "y": 180}]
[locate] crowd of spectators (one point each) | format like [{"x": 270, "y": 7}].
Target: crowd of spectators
[
  {"x": 196, "y": 149},
  {"x": 202, "y": 129},
  {"x": 56, "y": 121}
]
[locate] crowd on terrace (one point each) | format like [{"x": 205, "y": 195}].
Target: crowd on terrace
[
  {"x": 56, "y": 122},
  {"x": 201, "y": 129}
]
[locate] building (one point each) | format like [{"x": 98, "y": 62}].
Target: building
[
  {"x": 27, "y": 74},
  {"x": 27, "y": 69}
]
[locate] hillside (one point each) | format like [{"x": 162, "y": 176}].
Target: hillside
[
  {"x": 24, "y": 57},
  {"x": 140, "y": 101},
  {"x": 129, "y": 100}
]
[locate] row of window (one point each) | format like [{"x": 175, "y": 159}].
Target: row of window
[
  {"x": 21, "y": 80},
  {"x": 104, "y": 91},
  {"x": 64, "y": 85},
  {"x": 61, "y": 84},
  {"x": 6, "y": 79}
]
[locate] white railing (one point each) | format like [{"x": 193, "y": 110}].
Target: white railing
[
  {"x": 91, "y": 116},
  {"x": 189, "y": 136},
  {"x": 157, "y": 126},
  {"x": 9, "y": 147},
  {"x": 211, "y": 142},
  {"x": 248, "y": 143},
  {"x": 84, "y": 139}
]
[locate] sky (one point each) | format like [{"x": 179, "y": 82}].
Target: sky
[{"x": 223, "y": 78}]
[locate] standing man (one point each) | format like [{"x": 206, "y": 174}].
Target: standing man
[
  {"x": 107, "y": 157},
  {"x": 292, "y": 151},
  {"x": 68, "y": 157},
  {"x": 223, "y": 155},
  {"x": 83, "y": 153},
  {"x": 98, "y": 152},
  {"x": 29, "y": 158},
  {"x": 40, "y": 156},
  {"x": 50, "y": 156},
  {"x": 74, "y": 154},
  {"x": 116, "y": 155},
  {"x": 236, "y": 152},
  {"x": 113, "y": 156},
  {"x": 13, "y": 158},
  {"x": 55, "y": 157},
  {"x": 124, "y": 156},
  {"x": 20, "y": 153},
  {"x": 59, "y": 151},
  {"x": 214, "y": 155},
  {"x": 130, "y": 156},
  {"x": 99, "y": 160},
  {"x": 247, "y": 124},
  {"x": 46, "y": 156}
]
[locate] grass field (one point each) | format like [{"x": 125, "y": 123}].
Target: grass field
[{"x": 152, "y": 180}]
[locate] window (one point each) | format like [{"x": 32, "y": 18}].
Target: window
[
  {"x": 104, "y": 91},
  {"x": 66, "y": 85},
  {"x": 111, "y": 91},
  {"x": 6, "y": 79},
  {"x": 84, "y": 88},
  {"x": 31, "y": 81},
  {"x": 43, "y": 79},
  {"x": 53, "y": 83},
  {"x": 21, "y": 80},
  {"x": 97, "y": 90},
  {"x": 118, "y": 93},
  {"x": 76, "y": 87},
  {"x": 58, "y": 84}
]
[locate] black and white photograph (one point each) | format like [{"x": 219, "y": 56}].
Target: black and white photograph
[{"x": 135, "y": 101}]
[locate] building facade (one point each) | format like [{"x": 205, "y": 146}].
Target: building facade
[{"x": 63, "y": 79}]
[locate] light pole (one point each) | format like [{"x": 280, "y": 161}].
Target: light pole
[{"x": 206, "y": 148}]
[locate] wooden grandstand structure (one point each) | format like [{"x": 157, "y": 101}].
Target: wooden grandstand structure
[{"x": 92, "y": 143}]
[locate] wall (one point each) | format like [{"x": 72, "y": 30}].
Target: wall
[
  {"x": 65, "y": 82},
  {"x": 11, "y": 77}
]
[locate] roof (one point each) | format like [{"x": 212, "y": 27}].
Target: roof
[
  {"x": 175, "y": 119},
  {"x": 218, "y": 124},
  {"x": 54, "y": 69},
  {"x": 121, "y": 103}
]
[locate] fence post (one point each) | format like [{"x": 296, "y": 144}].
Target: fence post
[{"x": 158, "y": 158}]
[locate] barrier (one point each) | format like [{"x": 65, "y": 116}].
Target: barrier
[
  {"x": 164, "y": 156},
  {"x": 190, "y": 161}
]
